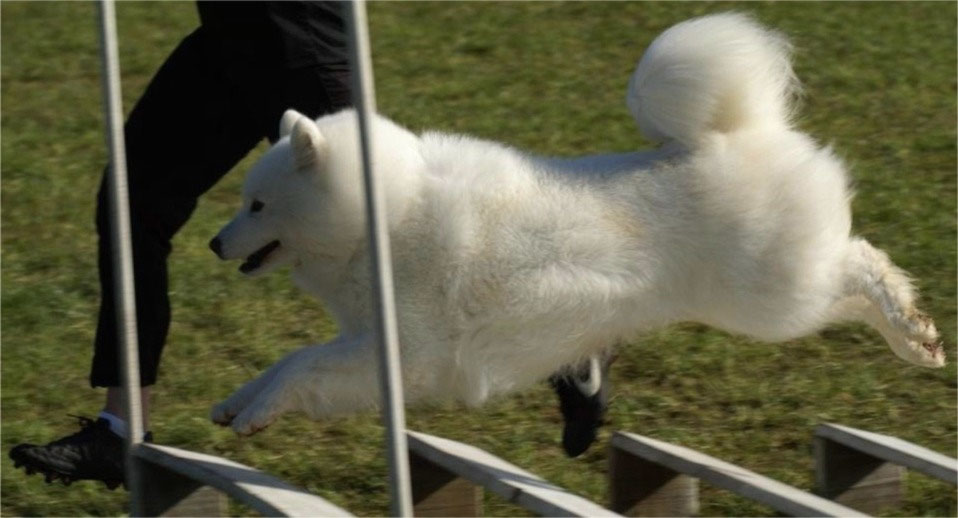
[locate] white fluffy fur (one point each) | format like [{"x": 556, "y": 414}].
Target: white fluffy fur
[{"x": 510, "y": 266}]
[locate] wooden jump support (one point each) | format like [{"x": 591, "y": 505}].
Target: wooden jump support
[
  {"x": 655, "y": 478},
  {"x": 171, "y": 474},
  {"x": 447, "y": 474},
  {"x": 447, "y": 480},
  {"x": 865, "y": 470},
  {"x": 647, "y": 477}
]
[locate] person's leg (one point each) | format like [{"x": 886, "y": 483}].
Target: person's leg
[
  {"x": 187, "y": 130},
  {"x": 116, "y": 404},
  {"x": 182, "y": 136},
  {"x": 200, "y": 115}
]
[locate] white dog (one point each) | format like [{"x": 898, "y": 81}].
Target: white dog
[{"x": 509, "y": 266}]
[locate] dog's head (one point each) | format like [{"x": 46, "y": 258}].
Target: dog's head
[{"x": 299, "y": 199}]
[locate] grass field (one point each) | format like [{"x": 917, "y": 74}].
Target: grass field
[{"x": 879, "y": 84}]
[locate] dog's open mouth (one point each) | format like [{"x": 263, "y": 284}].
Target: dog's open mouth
[{"x": 255, "y": 260}]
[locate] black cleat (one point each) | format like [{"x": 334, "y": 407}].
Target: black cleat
[
  {"x": 93, "y": 453},
  {"x": 583, "y": 400}
]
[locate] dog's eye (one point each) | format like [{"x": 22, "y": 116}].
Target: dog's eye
[{"x": 256, "y": 206}]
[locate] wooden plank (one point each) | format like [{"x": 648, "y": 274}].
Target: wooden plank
[
  {"x": 264, "y": 493},
  {"x": 772, "y": 493},
  {"x": 437, "y": 491},
  {"x": 506, "y": 480},
  {"x": 638, "y": 487},
  {"x": 893, "y": 449},
  {"x": 163, "y": 490},
  {"x": 205, "y": 501},
  {"x": 856, "y": 479}
]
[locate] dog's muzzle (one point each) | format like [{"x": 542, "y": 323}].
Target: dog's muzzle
[{"x": 254, "y": 261}]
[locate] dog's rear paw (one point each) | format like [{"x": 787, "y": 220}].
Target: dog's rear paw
[
  {"x": 935, "y": 352},
  {"x": 925, "y": 354},
  {"x": 920, "y": 328}
]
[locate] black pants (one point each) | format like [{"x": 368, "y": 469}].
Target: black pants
[{"x": 209, "y": 104}]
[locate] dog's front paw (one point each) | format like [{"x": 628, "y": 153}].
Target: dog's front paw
[
  {"x": 222, "y": 414},
  {"x": 254, "y": 419},
  {"x": 270, "y": 403}
]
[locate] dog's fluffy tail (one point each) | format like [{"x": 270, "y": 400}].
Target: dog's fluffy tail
[{"x": 717, "y": 73}]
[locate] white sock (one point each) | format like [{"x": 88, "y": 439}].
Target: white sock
[{"x": 117, "y": 425}]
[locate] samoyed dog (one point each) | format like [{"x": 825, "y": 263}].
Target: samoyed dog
[{"x": 509, "y": 266}]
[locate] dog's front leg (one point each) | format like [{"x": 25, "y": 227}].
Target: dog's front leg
[
  {"x": 320, "y": 380},
  {"x": 223, "y": 413}
]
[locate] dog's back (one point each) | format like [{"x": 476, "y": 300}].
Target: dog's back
[{"x": 739, "y": 221}]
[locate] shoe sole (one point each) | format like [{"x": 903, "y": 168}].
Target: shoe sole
[{"x": 51, "y": 475}]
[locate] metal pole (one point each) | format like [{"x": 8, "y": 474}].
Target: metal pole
[
  {"x": 385, "y": 317},
  {"x": 122, "y": 248}
]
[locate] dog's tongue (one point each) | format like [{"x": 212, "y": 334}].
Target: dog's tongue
[{"x": 254, "y": 261}]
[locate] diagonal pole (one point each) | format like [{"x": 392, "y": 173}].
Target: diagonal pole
[
  {"x": 385, "y": 317},
  {"x": 122, "y": 247}
]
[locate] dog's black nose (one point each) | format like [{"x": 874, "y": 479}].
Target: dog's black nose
[{"x": 216, "y": 246}]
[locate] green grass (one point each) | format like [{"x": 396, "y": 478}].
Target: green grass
[{"x": 879, "y": 84}]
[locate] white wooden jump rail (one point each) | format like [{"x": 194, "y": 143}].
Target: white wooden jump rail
[
  {"x": 447, "y": 480},
  {"x": 655, "y": 478},
  {"x": 170, "y": 474},
  {"x": 647, "y": 477},
  {"x": 435, "y": 460}
]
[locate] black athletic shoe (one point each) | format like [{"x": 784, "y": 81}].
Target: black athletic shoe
[
  {"x": 583, "y": 402},
  {"x": 93, "y": 453}
]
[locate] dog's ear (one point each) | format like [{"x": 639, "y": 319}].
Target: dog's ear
[
  {"x": 308, "y": 144},
  {"x": 288, "y": 121}
]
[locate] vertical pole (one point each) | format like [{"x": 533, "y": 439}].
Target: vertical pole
[
  {"x": 385, "y": 314},
  {"x": 122, "y": 247}
]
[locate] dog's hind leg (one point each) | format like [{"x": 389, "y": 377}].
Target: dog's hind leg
[
  {"x": 583, "y": 399},
  {"x": 879, "y": 293}
]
